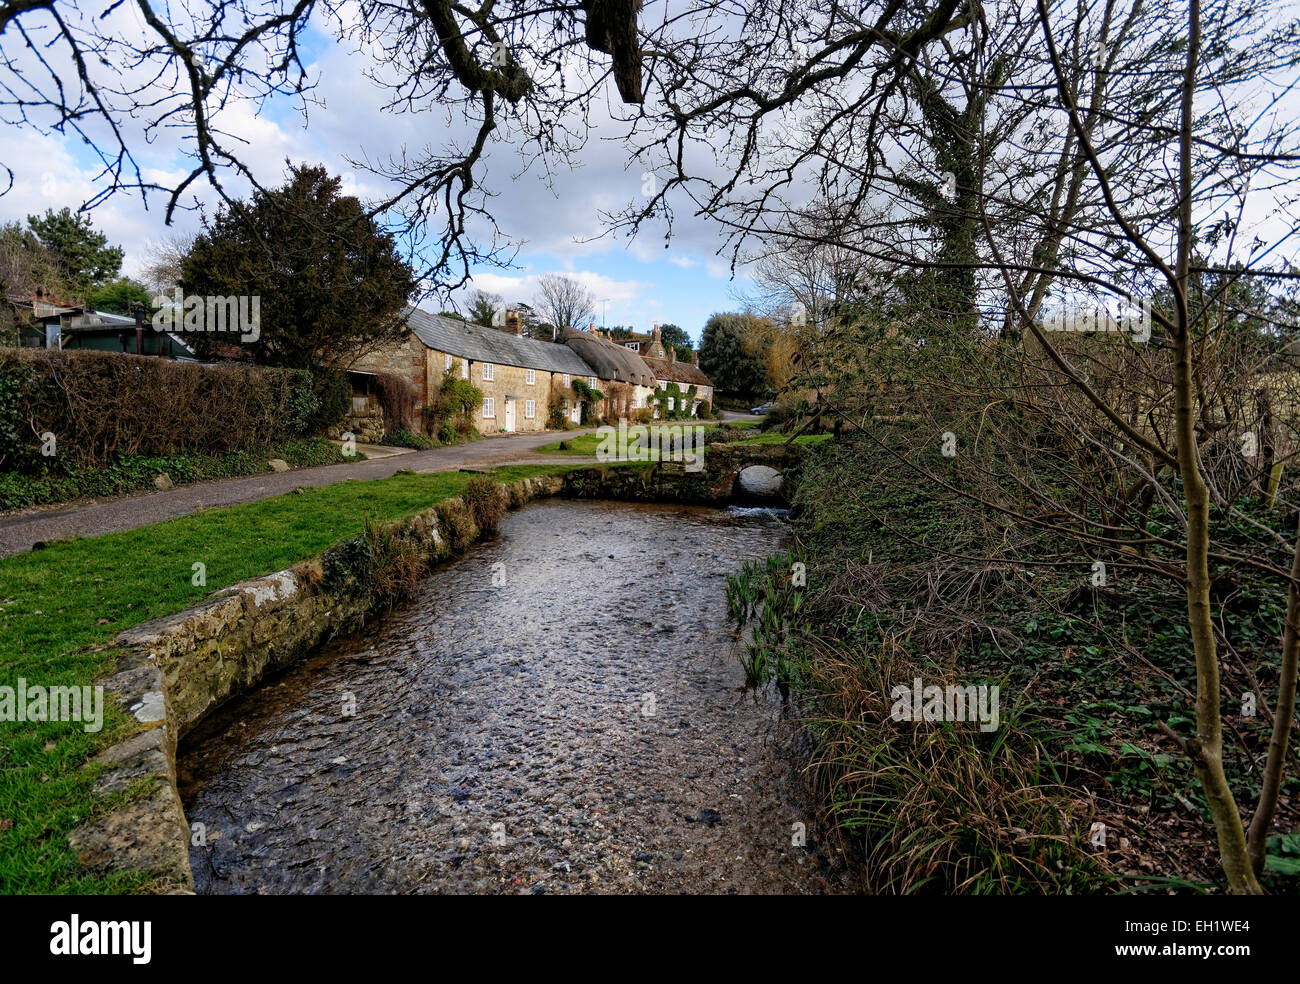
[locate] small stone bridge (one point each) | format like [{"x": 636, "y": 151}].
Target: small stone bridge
[
  {"x": 730, "y": 472},
  {"x": 738, "y": 471}
]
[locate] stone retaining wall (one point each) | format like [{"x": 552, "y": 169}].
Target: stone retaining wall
[{"x": 178, "y": 669}]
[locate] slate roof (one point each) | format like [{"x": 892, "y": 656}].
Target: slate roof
[{"x": 502, "y": 348}]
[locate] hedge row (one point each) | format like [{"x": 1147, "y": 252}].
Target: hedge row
[
  {"x": 103, "y": 406},
  {"x": 135, "y": 474}
]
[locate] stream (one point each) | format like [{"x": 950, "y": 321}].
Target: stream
[{"x": 561, "y": 710}]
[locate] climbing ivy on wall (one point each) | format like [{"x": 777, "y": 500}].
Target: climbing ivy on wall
[
  {"x": 588, "y": 398},
  {"x": 683, "y": 402}
]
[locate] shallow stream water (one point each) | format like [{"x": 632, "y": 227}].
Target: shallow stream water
[{"x": 561, "y": 710}]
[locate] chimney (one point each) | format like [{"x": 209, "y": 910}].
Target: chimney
[
  {"x": 695, "y": 358},
  {"x": 672, "y": 354},
  {"x": 514, "y": 323},
  {"x": 654, "y": 333}
]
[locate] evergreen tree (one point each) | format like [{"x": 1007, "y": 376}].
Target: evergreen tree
[{"x": 331, "y": 283}]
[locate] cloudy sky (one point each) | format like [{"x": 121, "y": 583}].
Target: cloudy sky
[{"x": 554, "y": 219}]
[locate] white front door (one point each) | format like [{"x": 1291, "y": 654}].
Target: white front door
[{"x": 510, "y": 415}]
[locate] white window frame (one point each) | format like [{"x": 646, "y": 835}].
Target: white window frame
[
  {"x": 566, "y": 379},
  {"x": 530, "y": 409},
  {"x": 464, "y": 368},
  {"x": 489, "y": 372},
  {"x": 670, "y": 403},
  {"x": 489, "y": 408},
  {"x": 446, "y": 362},
  {"x": 530, "y": 376},
  {"x": 591, "y": 381}
]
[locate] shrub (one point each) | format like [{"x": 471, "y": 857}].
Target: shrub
[
  {"x": 395, "y": 563},
  {"x": 589, "y": 398},
  {"x": 132, "y": 473},
  {"x": 405, "y": 439},
  {"x": 486, "y": 501},
  {"x": 457, "y": 523},
  {"x": 447, "y": 433},
  {"x": 725, "y": 435},
  {"x": 313, "y": 451},
  {"x": 303, "y": 404},
  {"x": 103, "y": 405},
  {"x": 15, "y": 381},
  {"x": 334, "y": 400},
  {"x": 942, "y": 806},
  {"x": 454, "y": 402},
  {"x": 399, "y": 399},
  {"x": 784, "y": 415}
]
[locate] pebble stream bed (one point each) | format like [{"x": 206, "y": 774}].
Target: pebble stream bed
[{"x": 562, "y": 710}]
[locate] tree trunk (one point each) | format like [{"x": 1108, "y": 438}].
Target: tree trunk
[
  {"x": 1283, "y": 717},
  {"x": 1206, "y": 750}
]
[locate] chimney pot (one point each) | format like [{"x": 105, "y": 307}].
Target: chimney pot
[{"x": 695, "y": 358}]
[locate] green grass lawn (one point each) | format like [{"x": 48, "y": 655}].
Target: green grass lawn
[
  {"x": 61, "y": 607},
  {"x": 586, "y": 444},
  {"x": 582, "y": 444},
  {"x": 774, "y": 437}
]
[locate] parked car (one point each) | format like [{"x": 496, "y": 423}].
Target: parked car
[{"x": 762, "y": 407}]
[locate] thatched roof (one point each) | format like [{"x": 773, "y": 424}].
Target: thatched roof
[
  {"x": 610, "y": 360},
  {"x": 677, "y": 371}
]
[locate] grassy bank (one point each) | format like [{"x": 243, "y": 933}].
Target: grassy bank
[
  {"x": 61, "y": 607},
  {"x": 906, "y": 579},
  {"x": 136, "y": 473},
  {"x": 586, "y": 444}
]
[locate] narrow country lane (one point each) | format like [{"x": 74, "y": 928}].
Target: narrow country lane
[{"x": 20, "y": 531}]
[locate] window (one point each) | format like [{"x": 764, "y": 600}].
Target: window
[
  {"x": 530, "y": 376},
  {"x": 591, "y": 381},
  {"x": 446, "y": 363},
  {"x": 464, "y": 368},
  {"x": 566, "y": 379},
  {"x": 670, "y": 403},
  {"x": 489, "y": 371},
  {"x": 530, "y": 409},
  {"x": 489, "y": 407}
]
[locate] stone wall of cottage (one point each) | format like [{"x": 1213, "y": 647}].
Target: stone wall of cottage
[
  {"x": 424, "y": 367},
  {"x": 405, "y": 358},
  {"x": 506, "y": 380},
  {"x": 511, "y": 380}
]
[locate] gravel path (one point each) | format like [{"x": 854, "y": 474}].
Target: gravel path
[{"x": 19, "y": 531}]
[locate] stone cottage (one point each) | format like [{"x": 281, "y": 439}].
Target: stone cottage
[
  {"x": 519, "y": 377},
  {"x": 667, "y": 369},
  {"x": 618, "y": 372},
  {"x": 684, "y": 374}
]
